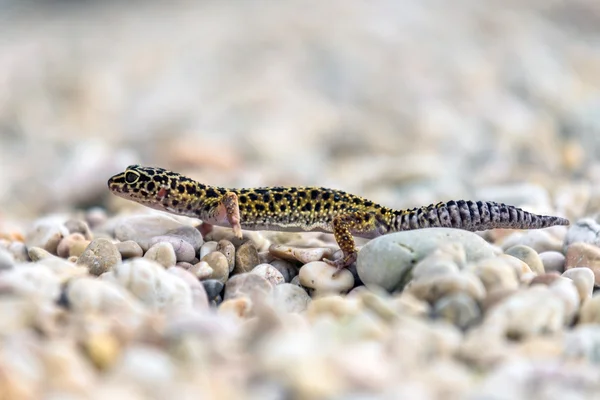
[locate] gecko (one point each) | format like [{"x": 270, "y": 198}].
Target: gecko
[{"x": 315, "y": 209}]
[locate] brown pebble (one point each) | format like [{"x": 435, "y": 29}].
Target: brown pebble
[
  {"x": 228, "y": 249},
  {"x": 545, "y": 279},
  {"x": 246, "y": 258},
  {"x": 584, "y": 255}
]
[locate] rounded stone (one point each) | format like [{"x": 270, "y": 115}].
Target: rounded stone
[
  {"x": 554, "y": 261},
  {"x": 590, "y": 311},
  {"x": 458, "y": 309},
  {"x": 129, "y": 249},
  {"x": 432, "y": 288},
  {"x": 301, "y": 254},
  {"x": 183, "y": 250},
  {"x": 387, "y": 261},
  {"x": 37, "y": 254},
  {"x": 218, "y": 263},
  {"x": 46, "y": 234},
  {"x": 79, "y": 226},
  {"x": 199, "y": 296},
  {"x": 208, "y": 247},
  {"x": 583, "y": 278},
  {"x": 228, "y": 249},
  {"x": 495, "y": 274},
  {"x": 584, "y": 255},
  {"x": 213, "y": 288},
  {"x": 6, "y": 259},
  {"x": 527, "y": 255},
  {"x": 163, "y": 253},
  {"x": 286, "y": 268},
  {"x": 289, "y": 298},
  {"x": 89, "y": 295},
  {"x": 585, "y": 230},
  {"x": 201, "y": 270},
  {"x": 33, "y": 281},
  {"x": 101, "y": 255},
  {"x": 77, "y": 248},
  {"x": 270, "y": 273},
  {"x": 247, "y": 285},
  {"x": 323, "y": 279},
  {"x": 566, "y": 290},
  {"x": 64, "y": 246},
  {"x": 537, "y": 239},
  {"x": 433, "y": 266},
  {"x": 246, "y": 258},
  {"x": 143, "y": 228}
]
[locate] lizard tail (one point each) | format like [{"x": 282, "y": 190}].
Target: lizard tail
[{"x": 472, "y": 216}]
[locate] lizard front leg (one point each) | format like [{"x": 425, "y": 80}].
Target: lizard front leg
[
  {"x": 225, "y": 209},
  {"x": 343, "y": 227}
]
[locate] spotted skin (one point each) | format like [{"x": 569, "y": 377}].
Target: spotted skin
[{"x": 310, "y": 209}]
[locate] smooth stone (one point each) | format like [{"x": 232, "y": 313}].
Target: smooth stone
[
  {"x": 150, "y": 282},
  {"x": 18, "y": 251},
  {"x": 87, "y": 295},
  {"x": 319, "y": 276},
  {"x": 246, "y": 258},
  {"x": 583, "y": 278},
  {"x": 566, "y": 290},
  {"x": 582, "y": 343},
  {"x": 31, "y": 280},
  {"x": 213, "y": 288},
  {"x": 199, "y": 296},
  {"x": 129, "y": 249},
  {"x": 432, "y": 288},
  {"x": 301, "y": 254},
  {"x": 586, "y": 230},
  {"x": 527, "y": 255},
  {"x": 544, "y": 279},
  {"x": 387, "y": 261},
  {"x": 247, "y": 285},
  {"x": 336, "y": 306},
  {"x": 435, "y": 265},
  {"x": 37, "y": 254},
  {"x": 406, "y": 304},
  {"x": 183, "y": 250},
  {"x": 218, "y": 263},
  {"x": 590, "y": 311},
  {"x": 528, "y": 312},
  {"x": 494, "y": 298},
  {"x": 100, "y": 256},
  {"x": 6, "y": 259},
  {"x": 163, "y": 253},
  {"x": 458, "y": 309},
  {"x": 495, "y": 274},
  {"x": 46, "y": 234},
  {"x": 143, "y": 228},
  {"x": 553, "y": 261},
  {"x": 289, "y": 298},
  {"x": 521, "y": 268},
  {"x": 240, "y": 307},
  {"x": 228, "y": 249},
  {"x": 453, "y": 251},
  {"x": 81, "y": 227},
  {"x": 103, "y": 349},
  {"x": 95, "y": 217},
  {"x": 270, "y": 273},
  {"x": 287, "y": 269},
  {"x": 584, "y": 255},
  {"x": 77, "y": 248},
  {"x": 538, "y": 239},
  {"x": 296, "y": 280},
  {"x": 201, "y": 270},
  {"x": 185, "y": 265},
  {"x": 64, "y": 246},
  {"x": 208, "y": 247}
]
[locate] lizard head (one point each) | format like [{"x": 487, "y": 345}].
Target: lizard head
[{"x": 144, "y": 185}]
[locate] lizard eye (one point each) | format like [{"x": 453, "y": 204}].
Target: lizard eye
[{"x": 131, "y": 177}]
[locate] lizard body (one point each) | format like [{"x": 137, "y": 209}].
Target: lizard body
[{"x": 310, "y": 209}]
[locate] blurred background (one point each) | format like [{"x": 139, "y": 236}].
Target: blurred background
[{"x": 407, "y": 102}]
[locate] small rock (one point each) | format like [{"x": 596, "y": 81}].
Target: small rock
[
  {"x": 319, "y": 276},
  {"x": 537, "y": 239},
  {"x": 183, "y": 250},
  {"x": 494, "y": 298},
  {"x": 270, "y": 273},
  {"x": 590, "y": 311},
  {"x": 143, "y": 228},
  {"x": 406, "y": 304},
  {"x": 583, "y": 278},
  {"x": 304, "y": 255},
  {"x": 218, "y": 263},
  {"x": 387, "y": 261},
  {"x": 64, "y": 246},
  {"x": 586, "y": 230},
  {"x": 527, "y": 255},
  {"x": 199, "y": 296},
  {"x": 100, "y": 256},
  {"x": 95, "y": 217},
  {"x": 163, "y": 253},
  {"x": 79, "y": 226},
  {"x": 46, "y": 234},
  {"x": 240, "y": 307},
  {"x": 289, "y": 298},
  {"x": 566, "y": 290},
  {"x": 458, "y": 309},
  {"x": 495, "y": 274},
  {"x": 287, "y": 269},
  {"x": 246, "y": 258},
  {"x": 432, "y": 288},
  {"x": 246, "y": 285},
  {"x": 213, "y": 288},
  {"x": 78, "y": 247},
  {"x": 553, "y": 261},
  {"x": 37, "y": 254},
  {"x": 6, "y": 259},
  {"x": 584, "y": 255},
  {"x": 185, "y": 265},
  {"x": 31, "y": 281},
  {"x": 228, "y": 249},
  {"x": 202, "y": 270},
  {"x": 433, "y": 265},
  {"x": 545, "y": 279},
  {"x": 88, "y": 295},
  {"x": 18, "y": 251},
  {"x": 129, "y": 249},
  {"x": 208, "y": 247},
  {"x": 103, "y": 349}
]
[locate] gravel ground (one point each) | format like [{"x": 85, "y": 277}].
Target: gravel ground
[{"x": 404, "y": 102}]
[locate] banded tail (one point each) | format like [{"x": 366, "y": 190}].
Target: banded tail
[{"x": 472, "y": 216}]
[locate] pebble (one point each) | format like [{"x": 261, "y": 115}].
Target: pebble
[
  {"x": 537, "y": 239},
  {"x": 100, "y": 256},
  {"x": 240, "y": 307},
  {"x": 528, "y": 256},
  {"x": 129, "y": 249},
  {"x": 183, "y": 250},
  {"x": 301, "y": 254},
  {"x": 213, "y": 288},
  {"x": 163, "y": 253},
  {"x": 142, "y": 229},
  {"x": 566, "y": 290},
  {"x": 79, "y": 226},
  {"x": 64, "y": 246},
  {"x": 435, "y": 265},
  {"x": 208, "y": 247},
  {"x": 247, "y": 285},
  {"x": 458, "y": 309},
  {"x": 246, "y": 258},
  {"x": 544, "y": 279},
  {"x": 103, "y": 349},
  {"x": 218, "y": 263},
  {"x": 586, "y": 230},
  {"x": 590, "y": 311},
  {"x": 288, "y": 298},
  {"x": 37, "y": 254},
  {"x": 287, "y": 269},
  {"x": 199, "y": 296},
  {"x": 270, "y": 273},
  {"x": 46, "y": 234},
  {"x": 584, "y": 255},
  {"x": 228, "y": 249},
  {"x": 387, "y": 261},
  {"x": 6, "y": 259},
  {"x": 78, "y": 247},
  {"x": 406, "y": 304},
  {"x": 582, "y": 343},
  {"x": 495, "y": 274},
  {"x": 432, "y": 288},
  {"x": 30, "y": 280},
  {"x": 554, "y": 261},
  {"x": 583, "y": 278},
  {"x": 18, "y": 251},
  {"x": 88, "y": 295},
  {"x": 319, "y": 277},
  {"x": 201, "y": 270}
]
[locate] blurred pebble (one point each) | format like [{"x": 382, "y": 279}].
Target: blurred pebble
[
  {"x": 289, "y": 298},
  {"x": 495, "y": 274},
  {"x": 583, "y": 278},
  {"x": 18, "y": 251},
  {"x": 199, "y": 296},
  {"x": 32, "y": 281},
  {"x": 6, "y": 259},
  {"x": 103, "y": 349},
  {"x": 46, "y": 234},
  {"x": 319, "y": 276},
  {"x": 537, "y": 239},
  {"x": 208, "y": 247},
  {"x": 95, "y": 217},
  {"x": 163, "y": 253},
  {"x": 545, "y": 279},
  {"x": 553, "y": 261},
  {"x": 202, "y": 270},
  {"x": 78, "y": 247},
  {"x": 218, "y": 263},
  {"x": 586, "y": 230},
  {"x": 64, "y": 246},
  {"x": 240, "y": 307},
  {"x": 247, "y": 285},
  {"x": 246, "y": 258},
  {"x": 584, "y": 255},
  {"x": 270, "y": 273},
  {"x": 527, "y": 255},
  {"x": 434, "y": 265},
  {"x": 287, "y": 269},
  {"x": 88, "y": 295},
  {"x": 79, "y": 226},
  {"x": 129, "y": 249},
  {"x": 228, "y": 249},
  {"x": 99, "y": 256},
  {"x": 183, "y": 250},
  {"x": 566, "y": 291},
  {"x": 458, "y": 309},
  {"x": 213, "y": 288},
  {"x": 37, "y": 254},
  {"x": 143, "y": 228},
  {"x": 432, "y": 288}
]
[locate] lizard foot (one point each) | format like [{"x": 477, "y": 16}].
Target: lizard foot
[{"x": 342, "y": 263}]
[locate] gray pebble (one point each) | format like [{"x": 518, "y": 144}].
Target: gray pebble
[
  {"x": 46, "y": 234},
  {"x": 528, "y": 256},
  {"x": 100, "y": 256},
  {"x": 247, "y": 285},
  {"x": 162, "y": 253},
  {"x": 6, "y": 259},
  {"x": 129, "y": 249},
  {"x": 213, "y": 288},
  {"x": 459, "y": 309},
  {"x": 19, "y": 251},
  {"x": 79, "y": 226},
  {"x": 286, "y": 268},
  {"x": 218, "y": 263},
  {"x": 246, "y": 258},
  {"x": 586, "y": 230},
  {"x": 554, "y": 261},
  {"x": 143, "y": 228},
  {"x": 228, "y": 249},
  {"x": 183, "y": 250}
]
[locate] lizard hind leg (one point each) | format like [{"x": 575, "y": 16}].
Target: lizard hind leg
[{"x": 344, "y": 226}]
